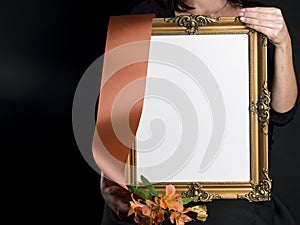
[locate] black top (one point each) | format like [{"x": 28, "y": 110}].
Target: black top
[
  {"x": 229, "y": 211},
  {"x": 167, "y": 10}
]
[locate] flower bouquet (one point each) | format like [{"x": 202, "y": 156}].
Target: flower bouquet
[{"x": 150, "y": 207}]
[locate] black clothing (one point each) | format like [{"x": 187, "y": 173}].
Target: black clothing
[{"x": 228, "y": 211}]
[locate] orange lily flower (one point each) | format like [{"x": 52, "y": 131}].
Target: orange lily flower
[
  {"x": 135, "y": 206},
  {"x": 171, "y": 199},
  {"x": 147, "y": 214},
  {"x": 180, "y": 217},
  {"x": 153, "y": 210}
]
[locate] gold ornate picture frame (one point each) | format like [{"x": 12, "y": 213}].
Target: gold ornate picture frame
[{"x": 250, "y": 100}]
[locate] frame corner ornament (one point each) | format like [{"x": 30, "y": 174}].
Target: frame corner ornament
[
  {"x": 261, "y": 191},
  {"x": 199, "y": 195},
  {"x": 264, "y": 40},
  {"x": 251, "y": 31},
  {"x": 191, "y": 22},
  {"x": 262, "y": 107}
]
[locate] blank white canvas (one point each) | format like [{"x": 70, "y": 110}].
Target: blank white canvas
[{"x": 160, "y": 130}]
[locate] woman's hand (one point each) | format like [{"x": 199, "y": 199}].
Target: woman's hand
[
  {"x": 269, "y": 21},
  {"x": 116, "y": 197}
]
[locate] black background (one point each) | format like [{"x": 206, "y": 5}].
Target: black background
[{"x": 46, "y": 46}]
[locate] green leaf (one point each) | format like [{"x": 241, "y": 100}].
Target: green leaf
[
  {"x": 149, "y": 186},
  {"x": 132, "y": 188},
  {"x": 140, "y": 192},
  {"x": 186, "y": 200},
  {"x": 144, "y": 194}
]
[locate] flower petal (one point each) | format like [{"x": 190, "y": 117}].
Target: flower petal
[
  {"x": 172, "y": 216},
  {"x": 170, "y": 190}
]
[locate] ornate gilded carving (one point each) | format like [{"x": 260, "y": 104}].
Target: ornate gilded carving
[
  {"x": 264, "y": 40},
  {"x": 262, "y": 108},
  {"x": 191, "y": 22},
  {"x": 194, "y": 190},
  {"x": 237, "y": 19},
  {"x": 252, "y": 31},
  {"x": 201, "y": 212},
  {"x": 261, "y": 191}
]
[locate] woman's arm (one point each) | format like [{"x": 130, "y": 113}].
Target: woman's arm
[{"x": 270, "y": 22}]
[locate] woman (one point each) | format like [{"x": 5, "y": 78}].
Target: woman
[{"x": 270, "y": 22}]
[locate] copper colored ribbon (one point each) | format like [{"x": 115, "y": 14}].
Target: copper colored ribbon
[{"x": 121, "y": 92}]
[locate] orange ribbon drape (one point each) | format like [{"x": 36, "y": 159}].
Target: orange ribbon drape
[{"x": 121, "y": 92}]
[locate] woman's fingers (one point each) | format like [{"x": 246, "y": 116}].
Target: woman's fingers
[
  {"x": 267, "y": 20},
  {"x": 263, "y": 12}
]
